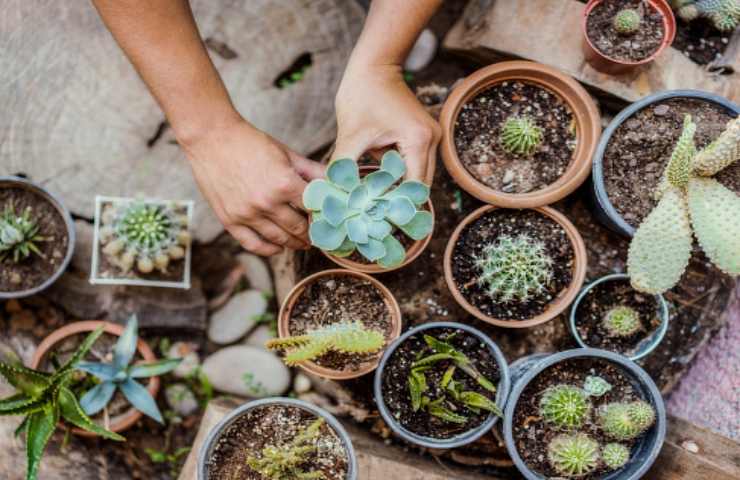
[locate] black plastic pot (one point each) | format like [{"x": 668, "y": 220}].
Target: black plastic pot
[
  {"x": 205, "y": 451},
  {"x": 645, "y": 451},
  {"x": 502, "y": 391},
  {"x": 602, "y": 206}
]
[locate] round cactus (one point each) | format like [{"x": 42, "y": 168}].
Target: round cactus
[
  {"x": 627, "y": 21},
  {"x": 514, "y": 268},
  {"x": 642, "y": 413},
  {"x": 622, "y": 321},
  {"x": 615, "y": 455},
  {"x": 565, "y": 406},
  {"x": 520, "y": 135},
  {"x": 625, "y": 421},
  {"x": 573, "y": 455}
]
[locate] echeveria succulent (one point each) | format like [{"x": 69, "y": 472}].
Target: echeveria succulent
[{"x": 351, "y": 213}]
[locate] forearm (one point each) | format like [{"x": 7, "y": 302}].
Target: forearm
[{"x": 162, "y": 41}]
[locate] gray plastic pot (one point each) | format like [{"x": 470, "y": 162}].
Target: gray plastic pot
[
  {"x": 22, "y": 183},
  {"x": 502, "y": 390},
  {"x": 648, "y": 446},
  {"x": 207, "y": 448},
  {"x": 603, "y": 208},
  {"x": 649, "y": 343}
]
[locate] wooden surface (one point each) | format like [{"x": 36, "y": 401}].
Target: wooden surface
[
  {"x": 549, "y": 31},
  {"x": 77, "y": 118}
]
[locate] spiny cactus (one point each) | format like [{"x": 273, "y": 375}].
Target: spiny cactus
[
  {"x": 148, "y": 235},
  {"x": 285, "y": 462},
  {"x": 521, "y": 135},
  {"x": 19, "y": 234},
  {"x": 661, "y": 247},
  {"x": 615, "y": 455},
  {"x": 596, "y": 386},
  {"x": 343, "y": 337},
  {"x": 514, "y": 268},
  {"x": 565, "y": 406},
  {"x": 621, "y": 321},
  {"x": 627, "y": 21},
  {"x": 350, "y": 213},
  {"x": 573, "y": 455},
  {"x": 625, "y": 421},
  {"x": 724, "y": 14}
]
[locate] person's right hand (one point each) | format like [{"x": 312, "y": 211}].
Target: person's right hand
[{"x": 255, "y": 185}]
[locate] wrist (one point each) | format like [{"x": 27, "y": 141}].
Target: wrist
[{"x": 199, "y": 126}]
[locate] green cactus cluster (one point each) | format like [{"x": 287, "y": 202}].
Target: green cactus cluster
[
  {"x": 621, "y": 321},
  {"x": 615, "y": 455},
  {"x": 689, "y": 201},
  {"x": 521, "y": 135},
  {"x": 19, "y": 234},
  {"x": 514, "y": 268},
  {"x": 724, "y": 14},
  {"x": 627, "y": 21},
  {"x": 286, "y": 462},
  {"x": 626, "y": 421},
  {"x": 573, "y": 455},
  {"x": 565, "y": 406}
]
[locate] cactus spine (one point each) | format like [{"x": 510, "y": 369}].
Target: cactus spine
[
  {"x": 615, "y": 455},
  {"x": 627, "y": 21},
  {"x": 521, "y": 135},
  {"x": 625, "y": 421},
  {"x": 621, "y": 321},
  {"x": 565, "y": 406},
  {"x": 573, "y": 455}
]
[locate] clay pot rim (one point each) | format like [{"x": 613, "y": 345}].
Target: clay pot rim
[
  {"x": 557, "y": 305},
  {"x": 128, "y": 419},
  {"x": 411, "y": 254},
  {"x": 18, "y": 182},
  {"x": 585, "y": 112},
  {"x": 669, "y": 34},
  {"x": 289, "y": 303}
]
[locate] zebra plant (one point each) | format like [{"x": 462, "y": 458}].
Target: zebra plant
[{"x": 351, "y": 213}]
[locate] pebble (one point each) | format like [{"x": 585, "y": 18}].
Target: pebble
[
  {"x": 508, "y": 176},
  {"x": 181, "y": 399},
  {"x": 190, "y": 358},
  {"x": 260, "y": 336},
  {"x": 257, "y": 272},
  {"x": 690, "y": 446},
  {"x": 422, "y": 52},
  {"x": 247, "y": 371},
  {"x": 237, "y": 317},
  {"x": 301, "y": 384},
  {"x": 661, "y": 110}
]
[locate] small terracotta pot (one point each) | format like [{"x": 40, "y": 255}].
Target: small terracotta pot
[
  {"x": 588, "y": 128},
  {"x": 290, "y": 301},
  {"x": 414, "y": 250},
  {"x": 126, "y": 420},
  {"x": 613, "y": 66},
  {"x": 558, "y": 305}
]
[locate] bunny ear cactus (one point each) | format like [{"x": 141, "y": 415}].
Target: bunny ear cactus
[
  {"x": 661, "y": 247},
  {"x": 351, "y": 213},
  {"x": 45, "y": 399}
]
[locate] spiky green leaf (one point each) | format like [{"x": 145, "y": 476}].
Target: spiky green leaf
[
  {"x": 72, "y": 412},
  {"x": 30, "y": 382},
  {"x": 41, "y": 426}
]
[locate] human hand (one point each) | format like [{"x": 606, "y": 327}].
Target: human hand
[
  {"x": 376, "y": 109},
  {"x": 254, "y": 185}
]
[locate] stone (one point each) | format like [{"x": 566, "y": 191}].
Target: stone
[
  {"x": 260, "y": 336},
  {"x": 661, "y": 110},
  {"x": 301, "y": 384},
  {"x": 247, "y": 371},
  {"x": 181, "y": 399},
  {"x": 257, "y": 272},
  {"x": 190, "y": 358},
  {"x": 422, "y": 52},
  {"x": 237, "y": 317}
]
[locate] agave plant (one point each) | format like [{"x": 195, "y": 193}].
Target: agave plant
[
  {"x": 19, "y": 234},
  {"x": 688, "y": 197},
  {"x": 350, "y": 213},
  {"x": 44, "y": 398},
  {"x": 121, "y": 375}
]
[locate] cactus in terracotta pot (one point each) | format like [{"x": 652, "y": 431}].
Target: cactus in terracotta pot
[
  {"x": 627, "y": 21},
  {"x": 521, "y": 135}
]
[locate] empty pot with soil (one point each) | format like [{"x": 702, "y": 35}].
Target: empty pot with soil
[
  {"x": 442, "y": 385},
  {"x": 620, "y": 35},
  {"x": 611, "y": 315},
  {"x": 336, "y": 324},
  {"x": 515, "y": 268},
  {"x": 584, "y": 413},
  {"x": 37, "y": 238},
  {"x": 277, "y": 438},
  {"x": 637, "y": 145},
  {"x": 519, "y": 134}
]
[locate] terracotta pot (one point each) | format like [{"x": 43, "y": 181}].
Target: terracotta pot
[
  {"x": 558, "y": 305},
  {"x": 588, "y": 127},
  {"x": 413, "y": 251},
  {"x": 290, "y": 301},
  {"x": 613, "y": 66},
  {"x": 121, "y": 422}
]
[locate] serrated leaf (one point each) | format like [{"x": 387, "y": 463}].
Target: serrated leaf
[
  {"x": 325, "y": 236},
  {"x": 415, "y": 191},
  {"x": 95, "y": 399},
  {"x": 153, "y": 369},
  {"x": 344, "y": 173},
  {"x": 393, "y": 164},
  {"x": 476, "y": 400},
  {"x": 79, "y": 354},
  {"x": 21, "y": 404},
  {"x": 401, "y": 210},
  {"x": 103, "y": 371},
  {"x": 140, "y": 398},
  {"x": 41, "y": 426},
  {"x": 28, "y": 381},
  {"x": 317, "y": 190},
  {"x": 373, "y": 250},
  {"x": 438, "y": 410},
  {"x": 357, "y": 230},
  {"x": 378, "y": 182},
  {"x": 72, "y": 412},
  {"x": 334, "y": 210},
  {"x": 395, "y": 254},
  {"x": 420, "y": 226}
]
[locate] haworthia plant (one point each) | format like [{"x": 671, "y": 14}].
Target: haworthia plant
[
  {"x": 350, "y": 213},
  {"x": 19, "y": 234},
  {"x": 661, "y": 248}
]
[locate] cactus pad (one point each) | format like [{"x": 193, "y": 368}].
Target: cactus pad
[{"x": 721, "y": 153}]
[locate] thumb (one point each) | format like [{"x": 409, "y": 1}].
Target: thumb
[
  {"x": 350, "y": 147},
  {"x": 306, "y": 168}
]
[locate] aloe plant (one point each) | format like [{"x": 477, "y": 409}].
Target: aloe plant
[
  {"x": 350, "y": 213},
  {"x": 44, "y": 399},
  {"x": 19, "y": 234},
  {"x": 285, "y": 462},
  {"x": 121, "y": 375},
  {"x": 688, "y": 197}
]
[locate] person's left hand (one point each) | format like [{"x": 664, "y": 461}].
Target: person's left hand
[{"x": 375, "y": 110}]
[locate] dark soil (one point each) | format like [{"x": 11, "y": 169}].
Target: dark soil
[
  {"x": 341, "y": 298},
  {"x": 478, "y": 127},
  {"x": 640, "y": 148},
  {"x": 395, "y": 386},
  {"x": 486, "y": 230},
  {"x": 34, "y": 270},
  {"x": 700, "y": 41},
  {"x": 274, "y": 425},
  {"x": 532, "y": 434},
  {"x": 607, "y": 295},
  {"x": 629, "y": 48}
]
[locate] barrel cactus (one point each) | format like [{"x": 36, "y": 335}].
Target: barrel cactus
[
  {"x": 626, "y": 420},
  {"x": 627, "y": 21},
  {"x": 19, "y": 234},
  {"x": 688, "y": 197},
  {"x": 621, "y": 321},
  {"x": 521, "y": 135},
  {"x": 565, "y": 406},
  {"x": 573, "y": 455},
  {"x": 724, "y": 14},
  {"x": 350, "y": 213},
  {"x": 615, "y": 455}
]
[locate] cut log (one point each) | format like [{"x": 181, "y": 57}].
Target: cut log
[{"x": 78, "y": 120}]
